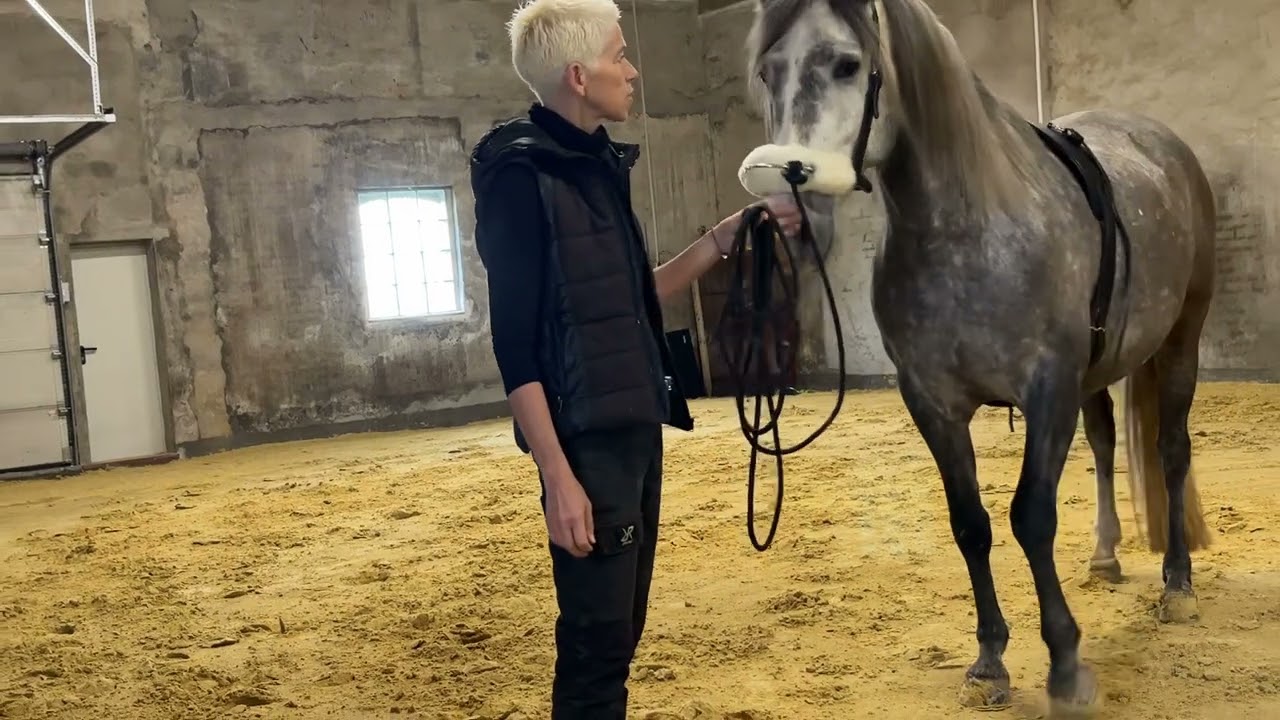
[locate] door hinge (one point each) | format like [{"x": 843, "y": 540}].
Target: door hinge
[
  {"x": 44, "y": 239},
  {"x": 51, "y": 297},
  {"x": 64, "y": 411},
  {"x": 55, "y": 354}
]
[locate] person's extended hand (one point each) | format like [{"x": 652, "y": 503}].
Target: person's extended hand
[
  {"x": 782, "y": 207},
  {"x": 569, "y": 521}
]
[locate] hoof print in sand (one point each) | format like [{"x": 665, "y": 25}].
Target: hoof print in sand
[
  {"x": 468, "y": 635},
  {"x": 661, "y": 673},
  {"x": 250, "y": 697}
]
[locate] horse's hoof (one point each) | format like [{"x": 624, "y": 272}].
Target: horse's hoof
[
  {"x": 1080, "y": 701},
  {"x": 1178, "y": 606},
  {"x": 978, "y": 692},
  {"x": 1106, "y": 569}
]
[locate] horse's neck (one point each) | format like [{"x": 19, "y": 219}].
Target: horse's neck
[
  {"x": 915, "y": 208},
  {"x": 915, "y": 205}
]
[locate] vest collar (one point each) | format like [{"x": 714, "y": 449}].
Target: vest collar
[{"x": 575, "y": 139}]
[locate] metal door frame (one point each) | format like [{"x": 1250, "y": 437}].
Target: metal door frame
[
  {"x": 36, "y": 159},
  {"x": 156, "y": 323}
]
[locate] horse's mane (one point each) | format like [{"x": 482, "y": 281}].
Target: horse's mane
[{"x": 957, "y": 130}]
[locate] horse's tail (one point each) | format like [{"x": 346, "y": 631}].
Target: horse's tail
[{"x": 1147, "y": 488}]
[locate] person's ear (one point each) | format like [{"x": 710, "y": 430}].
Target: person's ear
[{"x": 576, "y": 76}]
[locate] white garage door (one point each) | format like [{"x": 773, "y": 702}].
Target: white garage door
[{"x": 33, "y": 429}]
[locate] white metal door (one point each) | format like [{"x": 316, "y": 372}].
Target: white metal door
[
  {"x": 33, "y": 427},
  {"x": 122, "y": 374}
]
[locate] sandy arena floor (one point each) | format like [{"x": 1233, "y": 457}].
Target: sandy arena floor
[{"x": 404, "y": 575}]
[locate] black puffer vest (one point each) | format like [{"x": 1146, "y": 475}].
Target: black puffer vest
[{"x": 603, "y": 355}]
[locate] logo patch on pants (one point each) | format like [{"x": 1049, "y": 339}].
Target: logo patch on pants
[
  {"x": 617, "y": 539},
  {"x": 626, "y": 535}
]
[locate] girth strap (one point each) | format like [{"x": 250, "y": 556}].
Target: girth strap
[{"x": 1069, "y": 146}]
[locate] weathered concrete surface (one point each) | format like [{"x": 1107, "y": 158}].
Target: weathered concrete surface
[
  {"x": 108, "y": 171},
  {"x": 288, "y": 267},
  {"x": 679, "y": 151},
  {"x": 245, "y": 130},
  {"x": 1214, "y": 77},
  {"x": 736, "y": 124}
]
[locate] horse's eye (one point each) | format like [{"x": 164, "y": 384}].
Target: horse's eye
[{"x": 845, "y": 67}]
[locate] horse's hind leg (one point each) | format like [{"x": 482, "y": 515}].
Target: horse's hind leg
[
  {"x": 1177, "y": 365},
  {"x": 1050, "y": 408},
  {"x": 1100, "y": 429},
  {"x": 946, "y": 432}
]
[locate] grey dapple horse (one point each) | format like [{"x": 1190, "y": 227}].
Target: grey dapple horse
[{"x": 982, "y": 289}]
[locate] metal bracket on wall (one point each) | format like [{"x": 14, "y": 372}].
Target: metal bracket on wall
[
  {"x": 98, "y": 114},
  {"x": 38, "y": 156}
]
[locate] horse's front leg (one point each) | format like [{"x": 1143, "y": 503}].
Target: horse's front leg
[
  {"x": 1050, "y": 408},
  {"x": 946, "y": 432}
]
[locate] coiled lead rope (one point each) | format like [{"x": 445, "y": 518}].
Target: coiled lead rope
[{"x": 751, "y": 298}]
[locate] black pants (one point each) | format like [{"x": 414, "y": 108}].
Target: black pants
[{"x": 603, "y": 597}]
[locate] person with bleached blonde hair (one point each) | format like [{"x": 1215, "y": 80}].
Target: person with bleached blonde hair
[{"x": 576, "y": 319}]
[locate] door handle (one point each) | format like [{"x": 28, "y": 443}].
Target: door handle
[{"x": 85, "y": 352}]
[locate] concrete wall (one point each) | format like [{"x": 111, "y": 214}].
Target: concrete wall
[
  {"x": 244, "y": 131},
  {"x": 1214, "y": 77},
  {"x": 245, "y": 128},
  {"x": 110, "y": 179}
]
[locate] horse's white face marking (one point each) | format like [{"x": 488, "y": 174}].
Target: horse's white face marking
[{"x": 816, "y": 79}]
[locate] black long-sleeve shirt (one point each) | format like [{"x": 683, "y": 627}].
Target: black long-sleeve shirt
[{"x": 514, "y": 260}]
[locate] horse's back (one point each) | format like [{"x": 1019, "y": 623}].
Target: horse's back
[{"x": 1142, "y": 155}]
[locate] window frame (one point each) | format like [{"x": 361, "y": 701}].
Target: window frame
[{"x": 455, "y": 250}]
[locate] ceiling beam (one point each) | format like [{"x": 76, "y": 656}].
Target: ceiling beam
[{"x": 706, "y": 6}]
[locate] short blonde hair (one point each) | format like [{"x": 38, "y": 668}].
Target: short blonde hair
[{"x": 548, "y": 35}]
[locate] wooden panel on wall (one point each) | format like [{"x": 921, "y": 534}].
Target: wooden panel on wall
[{"x": 683, "y": 198}]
